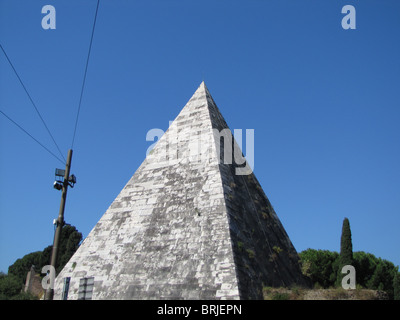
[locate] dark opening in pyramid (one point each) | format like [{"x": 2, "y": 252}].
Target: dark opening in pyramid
[{"x": 187, "y": 225}]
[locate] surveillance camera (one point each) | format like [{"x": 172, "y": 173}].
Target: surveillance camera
[
  {"x": 72, "y": 179},
  {"x": 57, "y": 185}
]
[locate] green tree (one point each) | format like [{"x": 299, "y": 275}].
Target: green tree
[
  {"x": 365, "y": 265},
  {"x": 396, "y": 286},
  {"x": 45, "y": 257},
  {"x": 320, "y": 266},
  {"x": 346, "y": 245},
  {"x": 10, "y": 286},
  {"x": 383, "y": 277},
  {"x": 69, "y": 242},
  {"x": 346, "y": 250},
  {"x": 21, "y": 266}
]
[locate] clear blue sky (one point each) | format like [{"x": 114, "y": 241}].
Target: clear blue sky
[{"x": 324, "y": 103}]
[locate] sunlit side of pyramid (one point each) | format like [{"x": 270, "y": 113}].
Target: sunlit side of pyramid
[{"x": 186, "y": 225}]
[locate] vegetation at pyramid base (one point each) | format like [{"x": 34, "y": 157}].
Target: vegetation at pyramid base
[
  {"x": 396, "y": 286},
  {"x": 322, "y": 267},
  {"x": 12, "y": 283}
]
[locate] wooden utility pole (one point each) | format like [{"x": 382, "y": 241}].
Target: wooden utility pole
[{"x": 60, "y": 221}]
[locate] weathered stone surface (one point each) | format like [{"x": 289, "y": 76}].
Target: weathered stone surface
[{"x": 186, "y": 226}]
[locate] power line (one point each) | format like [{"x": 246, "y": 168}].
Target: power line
[
  {"x": 31, "y": 137},
  {"x": 33, "y": 103},
  {"x": 84, "y": 77}
]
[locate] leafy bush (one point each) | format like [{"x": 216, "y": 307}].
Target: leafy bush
[
  {"x": 322, "y": 267},
  {"x": 9, "y": 286}
]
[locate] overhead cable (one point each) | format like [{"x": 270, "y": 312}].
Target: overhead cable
[
  {"x": 33, "y": 103},
  {"x": 31, "y": 137},
  {"x": 84, "y": 76}
]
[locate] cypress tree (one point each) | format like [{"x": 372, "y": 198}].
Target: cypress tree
[
  {"x": 346, "y": 246},
  {"x": 346, "y": 250}
]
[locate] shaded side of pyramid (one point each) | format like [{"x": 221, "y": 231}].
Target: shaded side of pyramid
[
  {"x": 263, "y": 252},
  {"x": 185, "y": 226}
]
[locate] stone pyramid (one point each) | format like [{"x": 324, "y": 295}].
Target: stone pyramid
[{"x": 187, "y": 225}]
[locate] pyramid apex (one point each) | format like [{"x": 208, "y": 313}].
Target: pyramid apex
[
  {"x": 201, "y": 89},
  {"x": 203, "y": 85}
]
